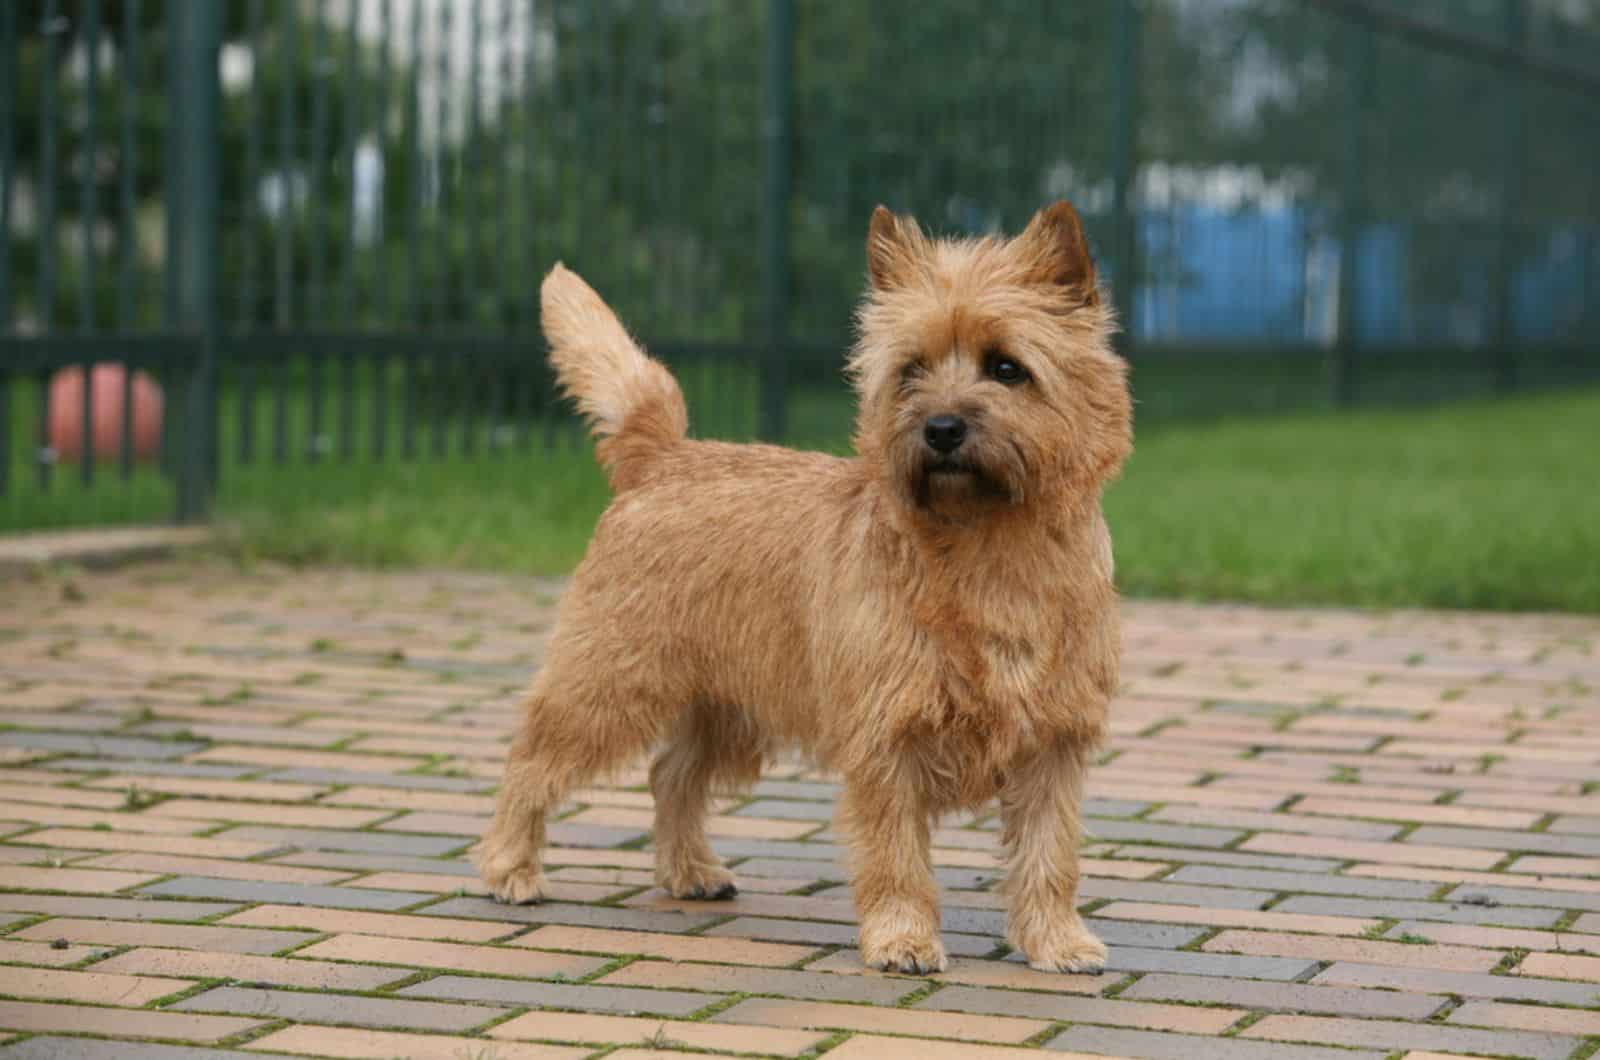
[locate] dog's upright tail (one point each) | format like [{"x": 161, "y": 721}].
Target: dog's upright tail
[{"x": 632, "y": 403}]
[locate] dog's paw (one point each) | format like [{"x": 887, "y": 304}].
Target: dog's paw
[
  {"x": 1078, "y": 952},
  {"x": 523, "y": 886},
  {"x": 710, "y": 883},
  {"x": 908, "y": 954}
]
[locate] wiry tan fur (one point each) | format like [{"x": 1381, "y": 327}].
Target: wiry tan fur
[{"x": 940, "y": 638}]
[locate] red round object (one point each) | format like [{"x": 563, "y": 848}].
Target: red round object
[{"x": 106, "y": 381}]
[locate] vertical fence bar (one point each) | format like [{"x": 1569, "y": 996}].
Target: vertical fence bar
[
  {"x": 317, "y": 166},
  {"x": 127, "y": 163},
  {"x": 351, "y": 76},
  {"x": 1125, "y": 172},
  {"x": 380, "y": 272},
  {"x": 413, "y": 140},
  {"x": 441, "y": 179},
  {"x": 778, "y": 133},
  {"x": 528, "y": 307},
  {"x": 10, "y": 56},
  {"x": 249, "y": 217},
  {"x": 471, "y": 275},
  {"x": 52, "y": 28},
  {"x": 1360, "y": 62},
  {"x": 88, "y": 205},
  {"x": 88, "y": 210},
  {"x": 503, "y": 222},
  {"x": 1513, "y": 159},
  {"x": 283, "y": 299},
  {"x": 196, "y": 94},
  {"x": 353, "y": 81}
]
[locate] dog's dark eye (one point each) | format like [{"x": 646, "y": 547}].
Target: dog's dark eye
[
  {"x": 912, "y": 371},
  {"x": 1003, "y": 369}
]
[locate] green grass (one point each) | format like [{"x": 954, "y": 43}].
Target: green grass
[
  {"x": 1481, "y": 504},
  {"x": 1475, "y": 505}
]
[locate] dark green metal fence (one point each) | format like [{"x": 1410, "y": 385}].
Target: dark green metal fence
[{"x": 318, "y": 225}]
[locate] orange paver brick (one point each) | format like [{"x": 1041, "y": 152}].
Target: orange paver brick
[
  {"x": 280, "y": 971},
  {"x": 193, "y": 846},
  {"x": 216, "y": 868},
  {"x": 1561, "y": 966},
  {"x": 92, "y": 987},
  {"x": 77, "y": 881},
  {"x": 1361, "y": 951},
  {"x": 1546, "y": 1018},
  {"x": 188, "y": 936},
  {"x": 35, "y": 1017},
  {"x": 877, "y": 1047},
  {"x": 398, "y": 924}
]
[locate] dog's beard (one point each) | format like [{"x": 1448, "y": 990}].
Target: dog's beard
[{"x": 959, "y": 483}]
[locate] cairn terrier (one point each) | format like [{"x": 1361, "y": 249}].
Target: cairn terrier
[{"x": 933, "y": 619}]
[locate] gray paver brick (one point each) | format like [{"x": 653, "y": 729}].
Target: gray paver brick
[
  {"x": 1308, "y": 882},
  {"x": 284, "y": 893},
  {"x": 615, "y": 999},
  {"x": 1450, "y": 912},
  {"x": 333, "y": 839},
  {"x": 1466, "y": 984},
  {"x": 1491, "y": 839},
  {"x": 1157, "y": 1045},
  {"x": 50, "y": 1047},
  {"x": 576, "y": 915},
  {"x": 113, "y": 908},
  {"x": 1286, "y": 997},
  {"x": 342, "y": 1009},
  {"x": 1389, "y": 1034}
]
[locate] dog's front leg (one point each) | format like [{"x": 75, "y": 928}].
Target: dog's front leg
[
  {"x": 896, "y": 896},
  {"x": 1040, "y": 806}
]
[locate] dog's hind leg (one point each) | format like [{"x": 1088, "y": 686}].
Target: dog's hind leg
[
  {"x": 574, "y": 729},
  {"x": 710, "y": 748}
]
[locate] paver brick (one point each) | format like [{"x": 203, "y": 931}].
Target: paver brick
[
  {"x": 664, "y": 946},
  {"x": 91, "y": 987},
  {"x": 215, "y": 867},
  {"x": 1545, "y": 1018},
  {"x": 43, "y": 1018},
  {"x": 617, "y": 999},
  {"x": 358, "y": 1044},
  {"x": 819, "y": 986},
  {"x": 626, "y": 1030},
  {"x": 49, "y": 1047},
  {"x": 1360, "y": 951},
  {"x": 347, "y": 1009},
  {"x": 278, "y": 971},
  {"x": 186, "y": 936},
  {"x": 1284, "y": 997},
  {"x": 483, "y": 959},
  {"x": 1465, "y": 984},
  {"x": 877, "y": 1047},
  {"x": 334, "y": 920},
  {"x": 819, "y": 1015},
  {"x": 1391, "y": 1034},
  {"x": 1158, "y": 1045},
  {"x": 1183, "y": 1018}
]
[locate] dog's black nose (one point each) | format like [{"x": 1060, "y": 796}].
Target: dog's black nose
[{"x": 944, "y": 434}]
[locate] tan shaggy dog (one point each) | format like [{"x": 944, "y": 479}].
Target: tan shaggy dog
[{"x": 933, "y": 619}]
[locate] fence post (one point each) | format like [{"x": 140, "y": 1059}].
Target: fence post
[
  {"x": 1512, "y": 154},
  {"x": 1360, "y": 60},
  {"x": 1125, "y": 172},
  {"x": 778, "y": 137},
  {"x": 193, "y": 152}
]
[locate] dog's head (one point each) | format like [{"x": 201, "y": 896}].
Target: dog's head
[{"x": 984, "y": 369}]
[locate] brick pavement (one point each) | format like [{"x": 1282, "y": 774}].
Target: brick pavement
[{"x": 233, "y": 809}]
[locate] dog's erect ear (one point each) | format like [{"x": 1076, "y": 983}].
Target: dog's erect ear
[
  {"x": 895, "y": 245},
  {"x": 1057, "y": 252}
]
